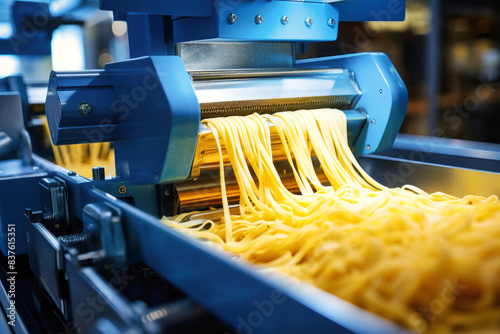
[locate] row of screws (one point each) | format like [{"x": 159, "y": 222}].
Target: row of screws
[{"x": 284, "y": 20}]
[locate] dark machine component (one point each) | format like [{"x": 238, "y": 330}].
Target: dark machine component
[
  {"x": 77, "y": 240},
  {"x": 55, "y": 204},
  {"x": 103, "y": 231}
]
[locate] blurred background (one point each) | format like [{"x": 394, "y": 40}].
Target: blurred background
[
  {"x": 448, "y": 54},
  {"x": 447, "y": 51}
]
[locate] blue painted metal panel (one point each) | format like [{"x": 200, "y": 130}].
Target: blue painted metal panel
[
  {"x": 270, "y": 29},
  {"x": 361, "y": 10},
  {"x": 160, "y": 115},
  {"x": 148, "y": 35},
  {"x": 65, "y": 94},
  {"x": 18, "y": 190},
  {"x": 447, "y": 151},
  {"x": 372, "y": 10},
  {"x": 16, "y": 84},
  {"x": 163, "y": 7},
  {"x": 146, "y": 105},
  {"x": 384, "y": 97},
  {"x": 85, "y": 283},
  {"x": 11, "y": 117}
]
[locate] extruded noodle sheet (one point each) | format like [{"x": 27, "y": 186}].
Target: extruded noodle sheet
[{"x": 429, "y": 262}]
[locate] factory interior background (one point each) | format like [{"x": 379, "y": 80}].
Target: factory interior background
[{"x": 447, "y": 52}]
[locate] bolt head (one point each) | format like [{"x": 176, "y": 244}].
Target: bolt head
[
  {"x": 308, "y": 21},
  {"x": 373, "y": 121},
  {"x": 368, "y": 147},
  {"x": 331, "y": 22},
  {"x": 122, "y": 190},
  {"x": 71, "y": 173},
  {"x": 232, "y": 18},
  {"x": 84, "y": 108},
  {"x": 259, "y": 19},
  {"x": 284, "y": 19}
]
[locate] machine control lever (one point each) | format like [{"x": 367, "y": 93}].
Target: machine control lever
[
  {"x": 55, "y": 204},
  {"x": 102, "y": 227}
]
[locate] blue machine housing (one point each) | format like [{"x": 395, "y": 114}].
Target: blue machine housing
[
  {"x": 384, "y": 97},
  {"x": 148, "y": 107},
  {"x": 154, "y": 128},
  {"x": 208, "y": 19},
  {"x": 217, "y": 27}
]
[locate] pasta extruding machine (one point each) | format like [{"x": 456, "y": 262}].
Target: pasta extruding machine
[{"x": 103, "y": 261}]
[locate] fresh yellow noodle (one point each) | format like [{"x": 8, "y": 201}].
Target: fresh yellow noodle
[
  {"x": 430, "y": 262},
  {"x": 82, "y": 157}
]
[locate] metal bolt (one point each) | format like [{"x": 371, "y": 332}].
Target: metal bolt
[
  {"x": 166, "y": 193},
  {"x": 380, "y": 91},
  {"x": 368, "y": 147},
  {"x": 84, "y": 108},
  {"x": 284, "y": 19},
  {"x": 308, "y": 21},
  {"x": 331, "y": 22},
  {"x": 232, "y": 18},
  {"x": 98, "y": 173},
  {"x": 36, "y": 168},
  {"x": 373, "y": 121},
  {"x": 259, "y": 19},
  {"x": 122, "y": 190},
  {"x": 71, "y": 173}
]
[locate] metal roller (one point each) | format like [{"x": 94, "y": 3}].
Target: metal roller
[
  {"x": 207, "y": 154},
  {"x": 243, "y": 92},
  {"x": 205, "y": 192}
]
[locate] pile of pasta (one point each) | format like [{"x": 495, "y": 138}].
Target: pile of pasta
[{"x": 429, "y": 262}]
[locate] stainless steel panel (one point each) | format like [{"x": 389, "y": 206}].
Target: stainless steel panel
[
  {"x": 245, "y": 86},
  {"x": 225, "y": 93},
  {"x": 226, "y": 55},
  {"x": 394, "y": 172},
  {"x": 447, "y": 151}
]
